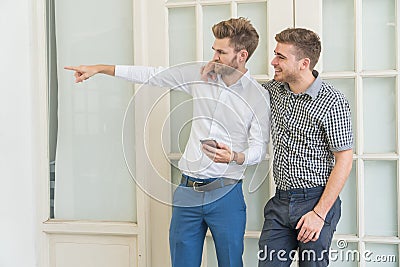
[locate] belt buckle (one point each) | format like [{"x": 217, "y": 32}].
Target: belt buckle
[{"x": 196, "y": 188}]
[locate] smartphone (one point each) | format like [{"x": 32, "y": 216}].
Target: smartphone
[{"x": 210, "y": 142}]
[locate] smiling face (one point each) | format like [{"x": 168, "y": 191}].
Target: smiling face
[
  {"x": 287, "y": 67},
  {"x": 225, "y": 54}
]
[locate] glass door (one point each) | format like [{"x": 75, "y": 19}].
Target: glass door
[{"x": 360, "y": 57}]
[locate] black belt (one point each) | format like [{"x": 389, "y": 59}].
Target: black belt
[
  {"x": 299, "y": 192},
  {"x": 208, "y": 184}
]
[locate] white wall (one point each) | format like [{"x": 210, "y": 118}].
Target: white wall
[{"x": 17, "y": 205}]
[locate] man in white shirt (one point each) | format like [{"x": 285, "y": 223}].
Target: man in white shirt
[{"x": 233, "y": 110}]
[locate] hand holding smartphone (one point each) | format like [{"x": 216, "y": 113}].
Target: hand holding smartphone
[{"x": 210, "y": 142}]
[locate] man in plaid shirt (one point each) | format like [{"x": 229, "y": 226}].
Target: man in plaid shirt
[{"x": 312, "y": 137}]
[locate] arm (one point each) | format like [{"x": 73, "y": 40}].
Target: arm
[
  {"x": 135, "y": 74},
  {"x": 337, "y": 179},
  {"x": 85, "y": 72},
  {"x": 311, "y": 224},
  {"x": 340, "y": 139},
  {"x": 258, "y": 137},
  {"x": 176, "y": 77}
]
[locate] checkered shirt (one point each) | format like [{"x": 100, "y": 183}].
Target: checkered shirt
[{"x": 306, "y": 129}]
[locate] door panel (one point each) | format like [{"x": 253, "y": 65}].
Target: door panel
[{"x": 92, "y": 251}]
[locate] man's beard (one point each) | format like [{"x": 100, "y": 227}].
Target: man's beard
[
  {"x": 288, "y": 77},
  {"x": 227, "y": 69}
]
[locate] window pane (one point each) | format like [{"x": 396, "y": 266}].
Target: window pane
[
  {"x": 176, "y": 174},
  {"x": 211, "y": 254},
  {"x": 382, "y": 255},
  {"x": 257, "y": 14},
  {"x": 92, "y": 179},
  {"x": 348, "y": 221},
  {"x": 211, "y": 16},
  {"x": 182, "y": 35},
  {"x": 181, "y": 120},
  {"x": 379, "y": 115},
  {"x": 379, "y": 34},
  {"x": 338, "y": 35},
  {"x": 347, "y": 87},
  {"x": 381, "y": 198},
  {"x": 256, "y": 192},
  {"x": 250, "y": 252}
]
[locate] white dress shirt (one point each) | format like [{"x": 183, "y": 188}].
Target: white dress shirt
[{"x": 238, "y": 116}]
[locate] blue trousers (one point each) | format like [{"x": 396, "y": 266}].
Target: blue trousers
[
  {"x": 222, "y": 210},
  {"x": 278, "y": 241}
]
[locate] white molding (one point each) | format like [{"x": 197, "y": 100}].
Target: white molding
[
  {"x": 181, "y": 4},
  {"x": 398, "y": 116},
  {"x": 389, "y": 156},
  {"x": 40, "y": 172},
  {"x": 151, "y": 48},
  {"x": 350, "y": 74},
  {"x": 279, "y": 18},
  {"x": 91, "y": 228},
  {"x": 199, "y": 33},
  {"x": 210, "y": 3},
  {"x": 141, "y": 57},
  {"x": 308, "y": 15},
  {"x": 234, "y": 9}
]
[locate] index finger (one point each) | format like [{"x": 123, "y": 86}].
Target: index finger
[{"x": 71, "y": 68}]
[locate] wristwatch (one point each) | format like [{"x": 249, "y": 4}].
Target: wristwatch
[{"x": 235, "y": 157}]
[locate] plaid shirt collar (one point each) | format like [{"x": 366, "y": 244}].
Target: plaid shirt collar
[{"x": 312, "y": 91}]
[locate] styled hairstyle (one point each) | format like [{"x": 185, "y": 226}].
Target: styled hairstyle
[
  {"x": 241, "y": 33},
  {"x": 307, "y": 43}
]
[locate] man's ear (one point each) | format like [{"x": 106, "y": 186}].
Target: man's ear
[
  {"x": 243, "y": 55},
  {"x": 305, "y": 64}
]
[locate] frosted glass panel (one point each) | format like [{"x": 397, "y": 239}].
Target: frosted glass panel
[
  {"x": 211, "y": 254},
  {"x": 379, "y": 115},
  {"x": 348, "y": 221},
  {"x": 344, "y": 254},
  {"x": 250, "y": 252},
  {"x": 92, "y": 179},
  {"x": 338, "y": 35},
  {"x": 379, "y": 34},
  {"x": 382, "y": 255},
  {"x": 381, "y": 198},
  {"x": 182, "y": 35},
  {"x": 212, "y": 15},
  {"x": 181, "y": 117},
  {"x": 347, "y": 87},
  {"x": 176, "y": 174},
  {"x": 256, "y": 192},
  {"x": 257, "y": 14}
]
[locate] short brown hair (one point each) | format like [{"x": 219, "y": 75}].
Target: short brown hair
[
  {"x": 241, "y": 32},
  {"x": 306, "y": 42}
]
